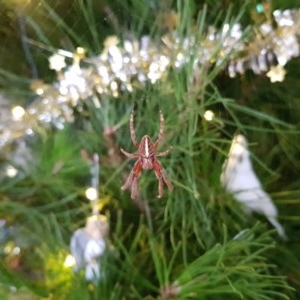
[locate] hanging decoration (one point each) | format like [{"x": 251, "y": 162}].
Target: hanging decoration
[
  {"x": 122, "y": 67},
  {"x": 89, "y": 244},
  {"x": 239, "y": 179}
]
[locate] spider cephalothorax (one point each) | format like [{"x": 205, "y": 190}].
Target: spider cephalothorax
[{"x": 146, "y": 159}]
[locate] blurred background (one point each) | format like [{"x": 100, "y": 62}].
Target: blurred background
[{"x": 71, "y": 72}]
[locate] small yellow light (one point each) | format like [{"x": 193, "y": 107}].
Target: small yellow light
[
  {"x": 209, "y": 115},
  {"x": 79, "y": 54},
  {"x": 180, "y": 56},
  {"x": 80, "y": 51},
  {"x": 17, "y": 113},
  {"x": 9, "y": 248},
  {"x": 69, "y": 261},
  {"x": 113, "y": 86},
  {"x": 11, "y": 171},
  {"x": 39, "y": 91},
  {"x": 91, "y": 193}
]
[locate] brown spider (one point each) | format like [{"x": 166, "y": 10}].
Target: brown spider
[{"x": 146, "y": 160}]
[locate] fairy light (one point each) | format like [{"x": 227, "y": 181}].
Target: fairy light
[
  {"x": 91, "y": 193},
  {"x": 259, "y": 8},
  {"x": 57, "y": 62},
  {"x": 209, "y": 115},
  {"x": 69, "y": 261},
  {"x": 29, "y": 131},
  {"x": 80, "y": 52},
  {"x": 16, "y": 250},
  {"x": 11, "y": 171},
  {"x": 113, "y": 86},
  {"x": 39, "y": 91},
  {"x": 63, "y": 90},
  {"x": 8, "y": 249},
  {"x": 17, "y": 113}
]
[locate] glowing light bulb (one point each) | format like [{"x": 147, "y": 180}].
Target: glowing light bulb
[
  {"x": 39, "y": 91},
  {"x": 209, "y": 115},
  {"x": 9, "y": 248},
  {"x": 80, "y": 51},
  {"x": 114, "y": 86},
  {"x": 91, "y": 193},
  {"x": 17, "y": 113},
  {"x": 16, "y": 250},
  {"x": 11, "y": 171},
  {"x": 57, "y": 62},
  {"x": 69, "y": 261}
]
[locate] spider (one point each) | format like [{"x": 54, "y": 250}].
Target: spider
[{"x": 146, "y": 160}]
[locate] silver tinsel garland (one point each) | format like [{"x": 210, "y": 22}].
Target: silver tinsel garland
[{"x": 123, "y": 68}]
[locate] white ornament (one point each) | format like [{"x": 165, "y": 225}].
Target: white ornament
[
  {"x": 239, "y": 179},
  {"x": 57, "y": 62},
  {"x": 93, "y": 250},
  {"x": 88, "y": 244},
  {"x": 277, "y": 73}
]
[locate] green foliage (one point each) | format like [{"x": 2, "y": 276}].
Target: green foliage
[{"x": 196, "y": 242}]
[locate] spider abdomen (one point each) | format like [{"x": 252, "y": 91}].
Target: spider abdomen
[{"x": 147, "y": 163}]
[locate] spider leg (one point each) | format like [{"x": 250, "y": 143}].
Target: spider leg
[
  {"x": 134, "y": 188},
  {"x": 132, "y": 132},
  {"x": 161, "y": 130},
  {"x": 162, "y": 177},
  {"x": 132, "y": 179},
  {"x": 164, "y": 153},
  {"x": 130, "y": 155},
  {"x": 166, "y": 179}
]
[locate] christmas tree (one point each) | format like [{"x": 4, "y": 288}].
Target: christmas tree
[{"x": 149, "y": 150}]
